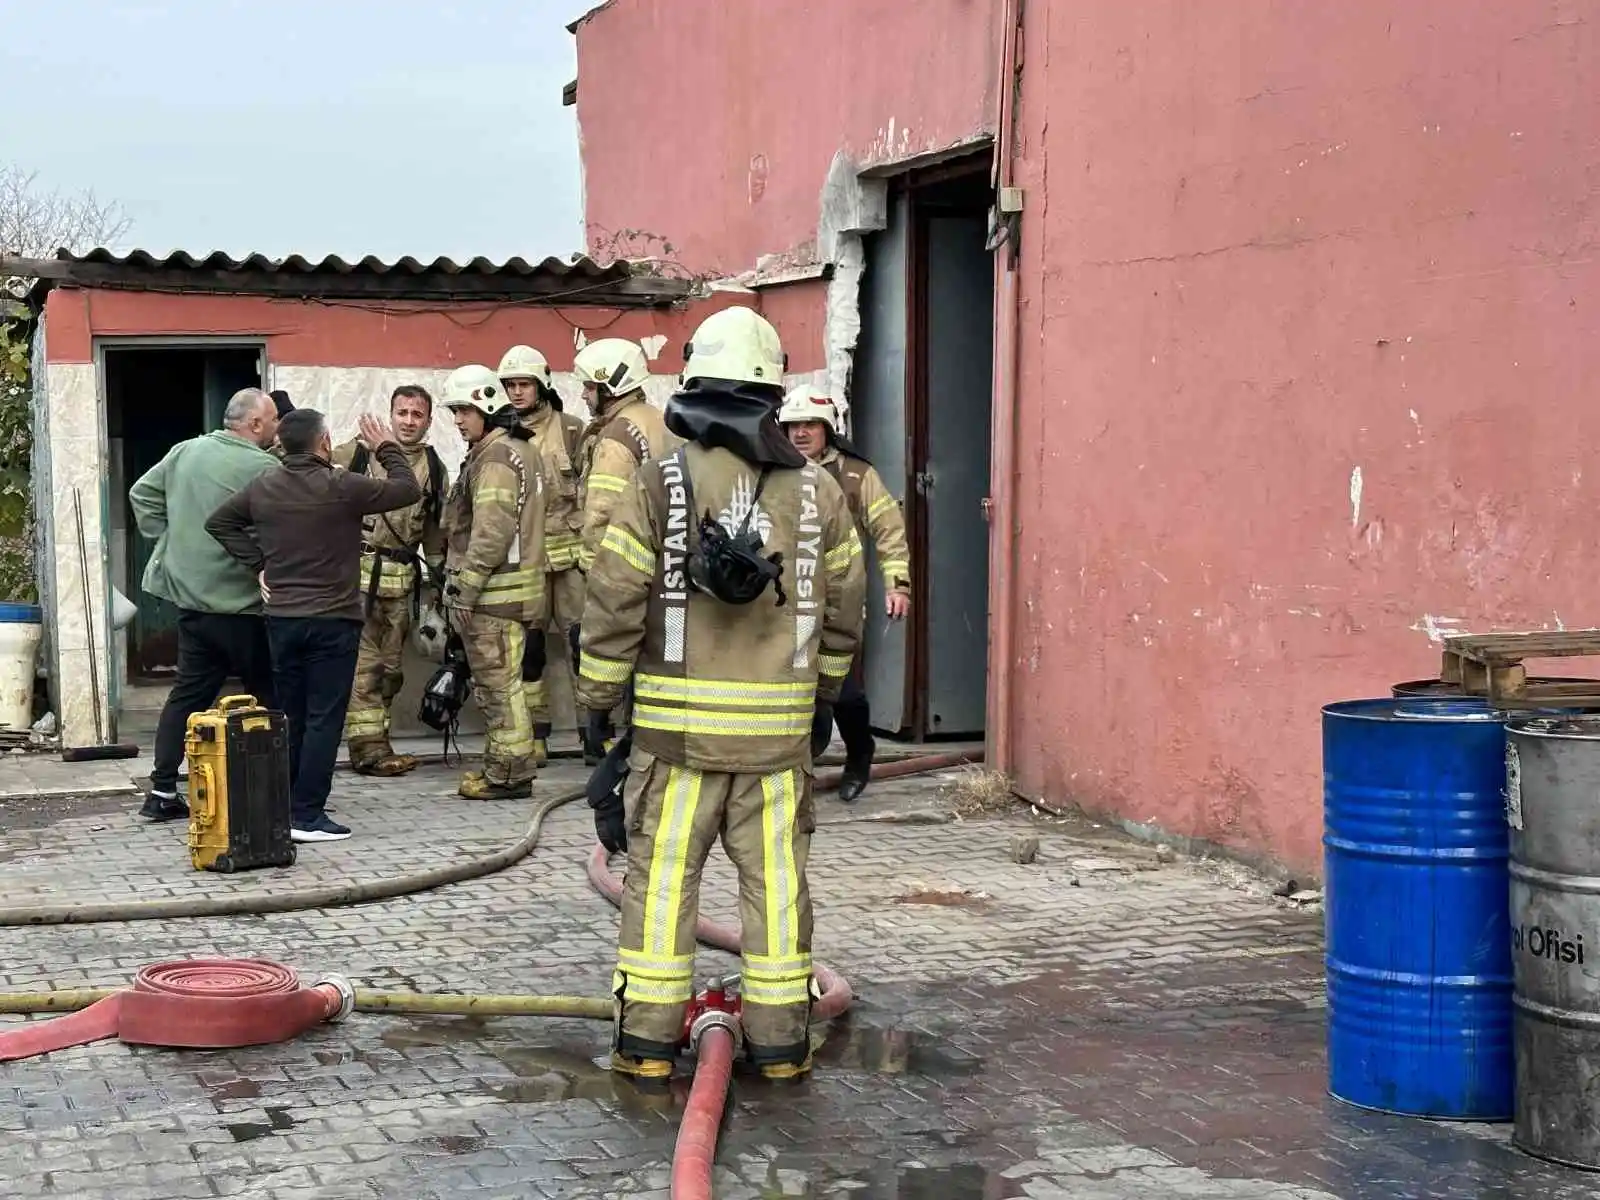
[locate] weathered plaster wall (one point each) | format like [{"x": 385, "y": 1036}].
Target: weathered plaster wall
[
  {"x": 747, "y": 104},
  {"x": 1308, "y": 355}
]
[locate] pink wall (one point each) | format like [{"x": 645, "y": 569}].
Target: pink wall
[
  {"x": 710, "y": 126},
  {"x": 1283, "y": 242}
]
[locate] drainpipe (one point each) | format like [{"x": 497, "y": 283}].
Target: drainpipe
[{"x": 1004, "y": 455}]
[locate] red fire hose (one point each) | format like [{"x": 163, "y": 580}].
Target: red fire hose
[{"x": 209, "y": 1003}]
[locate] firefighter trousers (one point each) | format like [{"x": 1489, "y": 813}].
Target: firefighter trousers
[
  {"x": 379, "y": 676},
  {"x": 565, "y": 590},
  {"x": 765, "y": 823},
  {"x": 494, "y": 653}
]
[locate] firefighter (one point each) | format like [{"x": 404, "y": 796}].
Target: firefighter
[
  {"x": 494, "y": 572},
  {"x": 526, "y": 375},
  {"x": 812, "y": 421},
  {"x": 624, "y": 432},
  {"x": 729, "y": 585},
  {"x": 402, "y": 561}
]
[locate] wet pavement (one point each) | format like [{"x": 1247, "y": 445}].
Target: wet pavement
[{"x": 1097, "y": 1025}]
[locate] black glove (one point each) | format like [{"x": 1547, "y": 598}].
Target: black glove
[
  {"x": 573, "y": 636},
  {"x": 821, "y": 727},
  {"x": 605, "y": 796}
]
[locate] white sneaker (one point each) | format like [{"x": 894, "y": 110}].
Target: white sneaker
[{"x": 324, "y": 830}]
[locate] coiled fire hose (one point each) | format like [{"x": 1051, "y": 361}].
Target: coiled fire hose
[{"x": 220, "y": 1003}]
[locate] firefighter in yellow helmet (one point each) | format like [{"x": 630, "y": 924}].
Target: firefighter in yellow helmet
[
  {"x": 625, "y": 431},
  {"x": 557, "y": 434},
  {"x": 494, "y": 572},
  {"x": 729, "y": 585},
  {"x": 812, "y": 422}
]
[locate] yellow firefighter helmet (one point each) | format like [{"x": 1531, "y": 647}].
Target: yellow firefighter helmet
[
  {"x": 475, "y": 386},
  {"x": 524, "y": 362},
  {"x": 806, "y": 403},
  {"x": 737, "y": 344},
  {"x": 615, "y": 364}
]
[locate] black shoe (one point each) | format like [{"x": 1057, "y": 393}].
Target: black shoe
[
  {"x": 164, "y": 808},
  {"x": 853, "y": 779},
  {"x": 323, "y": 829}
]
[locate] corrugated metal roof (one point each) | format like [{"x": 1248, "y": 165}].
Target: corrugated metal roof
[{"x": 578, "y": 281}]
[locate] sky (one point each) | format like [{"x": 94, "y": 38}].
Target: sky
[{"x": 315, "y": 127}]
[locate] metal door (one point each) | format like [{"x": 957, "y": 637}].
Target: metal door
[
  {"x": 958, "y": 323},
  {"x": 878, "y": 425}
]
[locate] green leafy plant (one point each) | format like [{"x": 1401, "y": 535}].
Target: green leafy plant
[{"x": 17, "y": 583}]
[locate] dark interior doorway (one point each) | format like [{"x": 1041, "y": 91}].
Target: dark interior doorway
[
  {"x": 921, "y": 406},
  {"x": 156, "y": 397}
]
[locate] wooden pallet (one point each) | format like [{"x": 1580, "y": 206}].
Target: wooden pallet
[{"x": 1491, "y": 665}]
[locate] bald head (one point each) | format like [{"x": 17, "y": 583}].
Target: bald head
[{"x": 252, "y": 414}]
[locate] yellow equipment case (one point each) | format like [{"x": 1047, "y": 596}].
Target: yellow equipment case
[{"x": 238, "y": 758}]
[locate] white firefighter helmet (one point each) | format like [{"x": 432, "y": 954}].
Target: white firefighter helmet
[
  {"x": 475, "y": 386},
  {"x": 738, "y": 344},
  {"x": 615, "y": 364},
  {"x": 806, "y": 403},
  {"x": 524, "y": 362}
]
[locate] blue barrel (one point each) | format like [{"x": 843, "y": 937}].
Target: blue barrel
[{"x": 1416, "y": 898}]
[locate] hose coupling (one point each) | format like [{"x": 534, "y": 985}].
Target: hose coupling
[
  {"x": 715, "y": 1018},
  {"x": 347, "y": 996}
]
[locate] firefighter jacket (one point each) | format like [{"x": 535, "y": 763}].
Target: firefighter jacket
[
  {"x": 494, "y": 531},
  {"x": 392, "y": 543},
  {"x": 559, "y": 437},
  {"x": 721, "y": 687},
  {"x": 627, "y": 434},
  {"x": 877, "y": 516}
]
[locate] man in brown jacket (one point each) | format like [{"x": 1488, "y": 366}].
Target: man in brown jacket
[
  {"x": 729, "y": 586},
  {"x": 299, "y": 528}
]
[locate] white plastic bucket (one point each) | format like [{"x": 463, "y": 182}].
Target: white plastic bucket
[{"x": 20, "y": 627}]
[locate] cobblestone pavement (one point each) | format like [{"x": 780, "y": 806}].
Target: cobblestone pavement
[{"x": 1097, "y": 1025}]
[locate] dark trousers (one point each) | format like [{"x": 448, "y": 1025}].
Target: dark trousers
[
  {"x": 854, "y": 718},
  {"x": 314, "y": 666},
  {"x": 211, "y": 647}
]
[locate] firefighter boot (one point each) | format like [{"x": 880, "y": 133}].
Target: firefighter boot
[
  {"x": 784, "y": 1072},
  {"x": 375, "y": 756},
  {"x": 475, "y": 785},
  {"x": 541, "y": 743},
  {"x": 655, "y": 1071}
]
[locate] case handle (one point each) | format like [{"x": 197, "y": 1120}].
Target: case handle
[{"x": 229, "y": 703}]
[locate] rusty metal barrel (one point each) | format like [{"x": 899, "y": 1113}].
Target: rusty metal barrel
[{"x": 1553, "y": 811}]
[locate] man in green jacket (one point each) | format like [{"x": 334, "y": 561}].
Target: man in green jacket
[{"x": 220, "y": 628}]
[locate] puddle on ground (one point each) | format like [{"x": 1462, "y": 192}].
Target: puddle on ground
[
  {"x": 236, "y": 1089},
  {"x": 546, "y": 1074},
  {"x": 278, "y": 1120},
  {"x": 964, "y": 1181},
  {"x": 454, "y": 1143},
  {"x": 883, "y": 1051},
  {"x": 403, "y": 1033}
]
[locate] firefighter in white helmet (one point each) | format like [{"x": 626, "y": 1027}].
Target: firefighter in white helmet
[
  {"x": 729, "y": 586},
  {"x": 557, "y": 434},
  {"x": 812, "y": 421},
  {"x": 626, "y": 430},
  {"x": 494, "y": 572}
]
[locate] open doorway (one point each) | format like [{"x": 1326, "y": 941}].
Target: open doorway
[
  {"x": 156, "y": 396},
  {"x": 921, "y": 408}
]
